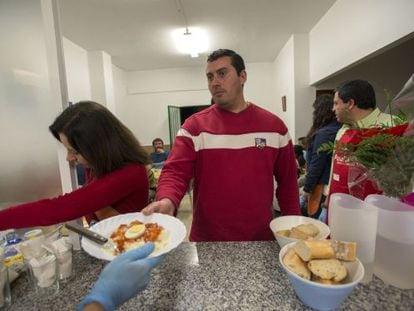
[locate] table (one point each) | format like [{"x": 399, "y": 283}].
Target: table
[{"x": 210, "y": 276}]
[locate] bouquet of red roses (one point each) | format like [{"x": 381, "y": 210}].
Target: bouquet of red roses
[{"x": 386, "y": 157}]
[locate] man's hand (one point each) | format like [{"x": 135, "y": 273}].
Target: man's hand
[{"x": 164, "y": 206}]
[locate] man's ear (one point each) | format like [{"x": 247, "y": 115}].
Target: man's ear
[
  {"x": 243, "y": 77},
  {"x": 351, "y": 103}
]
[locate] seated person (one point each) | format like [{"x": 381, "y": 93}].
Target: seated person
[
  {"x": 152, "y": 183},
  {"x": 302, "y": 141},
  {"x": 300, "y": 160},
  {"x": 159, "y": 156}
]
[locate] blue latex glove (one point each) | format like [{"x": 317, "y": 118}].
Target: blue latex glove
[{"x": 123, "y": 278}]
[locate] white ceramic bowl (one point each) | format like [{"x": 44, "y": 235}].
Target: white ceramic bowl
[
  {"x": 321, "y": 296},
  {"x": 287, "y": 222}
]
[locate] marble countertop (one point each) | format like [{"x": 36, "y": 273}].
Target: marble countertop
[{"x": 209, "y": 276}]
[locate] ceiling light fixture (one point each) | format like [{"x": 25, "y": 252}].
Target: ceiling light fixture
[{"x": 189, "y": 40}]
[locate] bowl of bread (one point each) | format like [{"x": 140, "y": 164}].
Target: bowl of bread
[
  {"x": 322, "y": 272},
  {"x": 288, "y": 229}
]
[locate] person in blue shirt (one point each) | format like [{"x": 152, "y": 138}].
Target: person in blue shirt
[{"x": 159, "y": 156}]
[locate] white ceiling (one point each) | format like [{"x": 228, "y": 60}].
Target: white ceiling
[{"x": 136, "y": 33}]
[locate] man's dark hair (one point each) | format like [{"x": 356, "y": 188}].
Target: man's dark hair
[
  {"x": 94, "y": 132},
  {"x": 157, "y": 139},
  {"x": 360, "y": 91},
  {"x": 236, "y": 60}
]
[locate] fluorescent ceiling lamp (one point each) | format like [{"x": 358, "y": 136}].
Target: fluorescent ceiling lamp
[{"x": 190, "y": 41}]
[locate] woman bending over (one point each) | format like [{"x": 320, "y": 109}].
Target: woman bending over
[{"x": 116, "y": 178}]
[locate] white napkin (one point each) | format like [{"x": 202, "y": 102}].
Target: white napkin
[
  {"x": 44, "y": 270},
  {"x": 32, "y": 248}
]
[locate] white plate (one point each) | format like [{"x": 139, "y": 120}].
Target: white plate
[{"x": 107, "y": 226}]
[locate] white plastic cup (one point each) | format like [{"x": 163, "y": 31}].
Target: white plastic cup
[
  {"x": 65, "y": 266},
  {"x": 394, "y": 254},
  {"x": 45, "y": 276},
  {"x": 351, "y": 219}
]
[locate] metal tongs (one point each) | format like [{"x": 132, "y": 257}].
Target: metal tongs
[{"x": 92, "y": 235}]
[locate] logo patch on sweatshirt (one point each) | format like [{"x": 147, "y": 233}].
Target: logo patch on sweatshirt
[{"x": 260, "y": 143}]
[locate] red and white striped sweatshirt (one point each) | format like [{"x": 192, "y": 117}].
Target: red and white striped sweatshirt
[{"x": 232, "y": 158}]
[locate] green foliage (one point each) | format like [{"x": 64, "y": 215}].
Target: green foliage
[
  {"x": 328, "y": 147},
  {"x": 371, "y": 152},
  {"x": 395, "y": 176},
  {"x": 390, "y": 159}
]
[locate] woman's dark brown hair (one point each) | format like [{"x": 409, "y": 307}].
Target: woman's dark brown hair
[
  {"x": 94, "y": 132},
  {"x": 322, "y": 115}
]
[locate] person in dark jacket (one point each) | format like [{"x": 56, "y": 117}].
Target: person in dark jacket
[{"x": 323, "y": 130}]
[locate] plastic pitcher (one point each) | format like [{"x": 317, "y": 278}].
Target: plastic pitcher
[
  {"x": 394, "y": 258},
  {"x": 351, "y": 219}
]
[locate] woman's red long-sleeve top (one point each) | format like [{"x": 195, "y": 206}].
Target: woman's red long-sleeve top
[{"x": 125, "y": 190}]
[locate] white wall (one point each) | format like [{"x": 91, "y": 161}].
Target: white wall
[
  {"x": 259, "y": 86},
  {"x": 120, "y": 85},
  {"x": 389, "y": 70},
  {"x": 291, "y": 79},
  {"x": 77, "y": 71},
  {"x": 102, "y": 84},
  {"x": 304, "y": 94},
  {"x": 150, "y": 92},
  {"x": 284, "y": 84},
  {"x": 166, "y": 80},
  {"x": 353, "y": 29}
]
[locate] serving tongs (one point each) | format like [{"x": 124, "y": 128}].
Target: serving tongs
[{"x": 93, "y": 236}]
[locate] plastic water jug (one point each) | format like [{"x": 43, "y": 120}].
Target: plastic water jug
[
  {"x": 351, "y": 219},
  {"x": 394, "y": 254}
]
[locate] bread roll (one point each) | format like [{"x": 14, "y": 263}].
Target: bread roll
[
  {"x": 344, "y": 250},
  {"x": 309, "y": 229},
  {"x": 324, "y": 281},
  {"x": 314, "y": 249},
  {"x": 285, "y": 233},
  {"x": 295, "y": 264},
  {"x": 298, "y": 234},
  {"x": 328, "y": 269}
]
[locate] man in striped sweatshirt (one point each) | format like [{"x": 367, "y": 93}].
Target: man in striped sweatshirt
[{"x": 233, "y": 150}]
